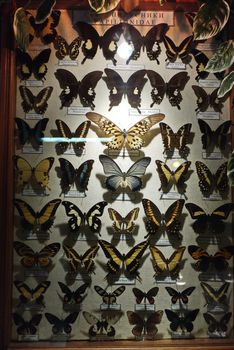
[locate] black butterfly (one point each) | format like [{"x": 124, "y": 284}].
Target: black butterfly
[
  {"x": 61, "y": 325},
  {"x": 72, "y": 87},
  {"x": 145, "y": 295},
  {"x": 38, "y": 102},
  {"x": 182, "y": 51},
  {"x": 35, "y": 134},
  {"x": 64, "y": 49},
  {"x": 118, "y": 88},
  {"x": 27, "y": 65},
  {"x": 109, "y": 298},
  {"x": 217, "y": 326},
  {"x": 185, "y": 322},
  {"x": 142, "y": 326},
  {"x": 205, "y": 261},
  {"x": 73, "y": 297},
  {"x": 172, "y": 89},
  {"x": 78, "y": 218},
  {"x": 179, "y": 296},
  {"x": 44, "y": 10},
  {"x": 46, "y": 30},
  {"x": 208, "y": 181},
  {"x": 212, "y": 222},
  {"x": 204, "y": 100},
  {"x": 28, "y": 294},
  {"x": 218, "y": 137},
  {"x": 79, "y": 177},
  {"x": 103, "y": 326},
  {"x": 215, "y": 296},
  {"x": 202, "y": 61},
  {"x": 80, "y": 132},
  {"x": 26, "y": 327}
]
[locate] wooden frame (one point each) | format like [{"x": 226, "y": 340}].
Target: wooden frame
[{"x": 7, "y": 113}]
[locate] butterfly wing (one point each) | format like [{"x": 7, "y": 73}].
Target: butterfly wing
[
  {"x": 151, "y": 294},
  {"x": 25, "y": 291},
  {"x": 132, "y": 258},
  {"x": 134, "y": 87},
  {"x": 64, "y": 131},
  {"x": 187, "y": 321},
  {"x": 181, "y": 173},
  {"x": 224, "y": 321},
  {"x": 153, "y": 216},
  {"x": 165, "y": 174},
  {"x": 221, "y": 135},
  {"x": 114, "y": 256},
  {"x": 39, "y": 291},
  {"x": 67, "y": 292},
  {"x": 173, "y": 318},
  {"x": 139, "y": 295},
  {"x": 137, "y": 321},
  {"x": 116, "y": 86},
  {"x": 63, "y": 49},
  {"x": 211, "y": 321},
  {"x": 213, "y": 295},
  {"x": 182, "y": 51},
  {"x": 27, "y": 214},
  {"x": 87, "y": 259},
  {"x": 69, "y": 85},
  {"x": 153, "y": 319},
  {"x": 70, "y": 319},
  {"x": 182, "y": 137},
  {"x": 44, "y": 10},
  {"x": 27, "y": 97},
  {"x": 77, "y": 295},
  {"x": 91, "y": 39},
  {"x": 24, "y": 64},
  {"x": 28, "y": 255},
  {"x": 109, "y": 42},
  {"x": 202, "y": 61},
  {"x": 221, "y": 178},
  {"x": 82, "y": 175},
  {"x": 203, "y": 100},
  {"x": 159, "y": 87},
  {"x": 35, "y": 134},
  {"x": 208, "y": 137},
  {"x": 74, "y": 259},
  {"x": 45, "y": 218},
  {"x": 76, "y": 215},
  {"x": 23, "y": 171},
  {"x": 153, "y": 39},
  {"x": 41, "y": 172},
  {"x": 174, "y": 87},
  {"x": 92, "y": 217},
  {"x": 40, "y": 102},
  {"x": 81, "y": 132},
  {"x": 204, "y": 259},
  {"x": 172, "y": 215},
  {"x": 109, "y": 128},
  {"x": 49, "y": 251},
  {"x": 115, "y": 174},
  {"x": 39, "y": 67},
  {"x": 55, "y": 321},
  {"x": 87, "y": 88},
  {"x": 128, "y": 221},
  {"x": 68, "y": 174},
  {"x": 206, "y": 179},
  {"x": 220, "y": 257},
  {"x": 215, "y": 102},
  {"x": 134, "y": 39},
  {"x": 46, "y": 31},
  {"x": 135, "y": 133},
  {"x": 136, "y": 171},
  {"x": 222, "y": 212}
]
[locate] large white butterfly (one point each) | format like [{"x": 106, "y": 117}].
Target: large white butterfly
[{"x": 117, "y": 178}]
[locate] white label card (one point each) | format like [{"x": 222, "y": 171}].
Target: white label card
[
  {"x": 78, "y": 110},
  {"x": 37, "y": 272},
  {"x": 123, "y": 153},
  {"x": 217, "y": 334},
  {"x": 213, "y": 155},
  {"x": 28, "y": 337},
  {"x": 34, "y": 83},
  {"x": 125, "y": 280},
  {"x": 126, "y": 67},
  {"x": 75, "y": 194},
  {"x": 28, "y": 149},
  {"x": 70, "y": 151},
  {"x": 176, "y": 65},
  {"x": 37, "y": 236},
  {"x": 181, "y": 335},
  {"x": 124, "y": 197},
  {"x": 166, "y": 280},
  {"x": 217, "y": 309},
  {"x": 209, "y": 83},
  {"x": 144, "y": 307},
  {"x": 110, "y": 307},
  {"x": 175, "y": 155},
  {"x": 163, "y": 242},
  {"x": 67, "y": 63},
  {"x": 213, "y": 197},
  {"x": 144, "y": 111},
  {"x": 33, "y": 116},
  {"x": 32, "y": 305},
  {"x": 179, "y": 306},
  {"x": 210, "y": 276},
  {"x": 31, "y": 192},
  {"x": 209, "y": 115},
  {"x": 171, "y": 195}
]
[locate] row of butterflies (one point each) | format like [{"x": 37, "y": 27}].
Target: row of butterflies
[
  {"x": 109, "y": 45},
  {"x": 129, "y": 263},
  {"x": 132, "y": 89},
  {"x": 133, "y": 138},
  {"x": 116, "y": 179}
]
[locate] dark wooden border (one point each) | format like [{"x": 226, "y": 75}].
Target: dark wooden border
[{"x": 7, "y": 113}]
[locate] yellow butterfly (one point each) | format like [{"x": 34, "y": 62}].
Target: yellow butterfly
[
  {"x": 166, "y": 266},
  {"x": 123, "y": 224},
  {"x": 132, "y": 137},
  {"x": 26, "y": 173},
  {"x": 77, "y": 261}
]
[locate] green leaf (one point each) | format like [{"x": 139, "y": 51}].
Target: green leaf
[
  {"x": 222, "y": 59},
  {"x": 226, "y": 85},
  {"x": 210, "y": 19}
]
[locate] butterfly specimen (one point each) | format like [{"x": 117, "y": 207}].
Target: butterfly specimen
[
  {"x": 46, "y": 30},
  {"x": 133, "y": 137},
  {"x": 172, "y": 89},
  {"x": 217, "y": 326},
  {"x": 31, "y": 258},
  {"x": 38, "y": 102},
  {"x": 26, "y": 327},
  {"x": 131, "y": 89},
  {"x": 209, "y": 182},
  {"x": 79, "y": 219},
  {"x": 180, "y": 296},
  {"x": 103, "y": 326},
  {"x": 215, "y": 296},
  {"x": 28, "y": 134},
  {"x": 145, "y": 327},
  {"x": 39, "y": 174},
  {"x": 131, "y": 260},
  {"x": 172, "y": 140},
  {"x": 182, "y": 51},
  {"x": 117, "y": 178},
  {"x": 169, "y": 221},
  {"x": 64, "y": 49},
  {"x": 218, "y": 137},
  {"x": 202, "y": 61},
  {"x": 28, "y": 66},
  {"x": 205, "y": 261},
  {"x": 73, "y": 297},
  {"x": 40, "y": 220},
  {"x": 205, "y": 100},
  {"x": 184, "y": 322},
  {"x": 77, "y": 261},
  {"x": 71, "y": 87},
  {"x": 123, "y": 224},
  {"x": 111, "y": 297},
  {"x": 28, "y": 294},
  {"x": 44, "y": 10},
  {"x": 64, "y": 131},
  {"x": 169, "y": 177},
  {"x": 146, "y": 296},
  {"x": 79, "y": 177},
  {"x": 61, "y": 325},
  {"x": 164, "y": 266},
  {"x": 211, "y": 222}
]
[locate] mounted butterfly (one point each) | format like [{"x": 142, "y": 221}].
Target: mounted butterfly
[
  {"x": 81, "y": 263},
  {"x": 33, "y": 135},
  {"x": 103, "y": 327},
  {"x": 32, "y": 296},
  {"x": 116, "y": 178},
  {"x": 183, "y": 51},
  {"x": 145, "y": 327},
  {"x": 37, "y": 103},
  {"x": 147, "y": 297},
  {"x": 216, "y": 297},
  {"x": 123, "y": 225},
  {"x": 205, "y": 100},
  {"x": 131, "y": 138},
  {"x": 26, "y": 327},
  {"x": 109, "y": 298},
  {"x": 214, "y": 138},
  {"x": 202, "y": 61},
  {"x": 61, "y": 325},
  {"x": 183, "y": 322},
  {"x": 217, "y": 327},
  {"x": 64, "y": 49},
  {"x": 73, "y": 297},
  {"x": 181, "y": 297}
]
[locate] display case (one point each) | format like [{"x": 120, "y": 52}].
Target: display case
[{"x": 115, "y": 202}]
